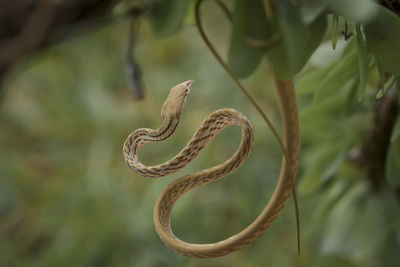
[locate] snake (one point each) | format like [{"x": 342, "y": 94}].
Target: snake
[{"x": 210, "y": 127}]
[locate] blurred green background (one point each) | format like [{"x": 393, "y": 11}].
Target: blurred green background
[{"x": 67, "y": 198}]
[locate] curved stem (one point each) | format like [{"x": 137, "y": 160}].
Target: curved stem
[
  {"x": 224, "y": 8},
  {"x": 296, "y": 210},
  {"x": 248, "y": 95},
  {"x": 248, "y": 39},
  {"x": 234, "y": 78}
]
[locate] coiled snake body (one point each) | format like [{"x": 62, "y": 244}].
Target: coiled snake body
[{"x": 210, "y": 127}]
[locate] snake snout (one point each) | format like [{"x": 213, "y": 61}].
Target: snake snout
[
  {"x": 176, "y": 99},
  {"x": 188, "y": 84}
]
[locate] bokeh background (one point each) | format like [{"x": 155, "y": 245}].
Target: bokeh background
[{"x": 67, "y": 198}]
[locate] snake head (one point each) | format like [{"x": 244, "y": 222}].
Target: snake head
[{"x": 176, "y": 100}]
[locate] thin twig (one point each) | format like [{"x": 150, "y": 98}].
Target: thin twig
[
  {"x": 224, "y": 8},
  {"x": 234, "y": 78},
  {"x": 248, "y": 39},
  {"x": 132, "y": 69},
  {"x": 296, "y": 210},
  {"x": 253, "y": 102}
]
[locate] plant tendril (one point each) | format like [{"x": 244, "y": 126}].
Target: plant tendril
[
  {"x": 248, "y": 95},
  {"x": 234, "y": 78}
]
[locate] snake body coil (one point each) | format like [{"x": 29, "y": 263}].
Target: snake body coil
[{"x": 210, "y": 127}]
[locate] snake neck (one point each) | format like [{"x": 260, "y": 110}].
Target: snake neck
[
  {"x": 165, "y": 131},
  {"x": 142, "y": 136}
]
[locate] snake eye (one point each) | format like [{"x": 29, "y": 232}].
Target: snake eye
[
  {"x": 176, "y": 99},
  {"x": 188, "y": 86}
]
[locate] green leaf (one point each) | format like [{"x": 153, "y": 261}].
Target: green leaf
[
  {"x": 382, "y": 75},
  {"x": 335, "y": 27},
  {"x": 167, "y": 16},
  {"x": 386, "y": 87},
  {"x": 392, "y": 171},
  {"x": 319, "y": 116},
  {"x": 294, "y": 32},
  {"x": 363, "y": 62},
  {"x": 331, "y": 114},
  {"x": 344, "y": 69},
  {"x": 395, "y": 131},
  {"x": 383, "y": 39},
  {"x": 279, "y": 61},
  {"x": 332, "y": 196},
  {"x": 357, "y": 10},
  {"x": 308, "y": 83},
  {"x": 398, "y": 88},
  {"x": 248, "y": 20},
  {"x": 356, "y": 213},
  {"x": 299, "y": 40},
  {"x": 322, "y": 165},
  {"x": 325, "y": 59}
]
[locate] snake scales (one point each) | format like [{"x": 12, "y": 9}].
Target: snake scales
[{"x": 210, "y": 127}]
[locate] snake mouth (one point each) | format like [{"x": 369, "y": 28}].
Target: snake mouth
[
  {"x": 189, "y": 83},
  {"x": 188, "y": 86}
]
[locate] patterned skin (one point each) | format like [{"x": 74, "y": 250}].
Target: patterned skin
[{"x": 210, "y": 127}]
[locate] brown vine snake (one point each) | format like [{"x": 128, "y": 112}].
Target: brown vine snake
[{"x": 212, "y": 125}]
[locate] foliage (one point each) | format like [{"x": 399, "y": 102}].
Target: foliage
[{"x": 68, "y": 199}]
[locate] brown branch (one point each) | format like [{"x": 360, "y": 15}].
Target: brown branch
[
  {"x": 29, "y": 26},
  {"x": 373, "y": 153},
  {"x": 32, "y": 34},
  {"x": 132, "y": 68}
]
